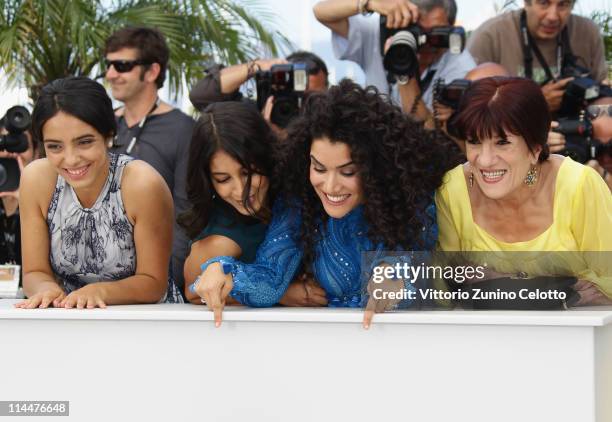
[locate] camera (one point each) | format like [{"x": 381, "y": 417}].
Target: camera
[
  {"x": 287, "y": 83},
  {"x": 450, "y": 94},
  {"x": 401, "y": 58},
  {"x": 580, "y": 91},
  {"x": 16, "y": 121},
  {"x": 579, "y": 142}
]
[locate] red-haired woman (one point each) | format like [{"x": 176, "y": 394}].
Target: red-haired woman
[{"x": 513, "y": 196}]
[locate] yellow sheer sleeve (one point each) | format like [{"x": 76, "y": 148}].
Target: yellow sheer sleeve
[{"x": 591, "y": 225}]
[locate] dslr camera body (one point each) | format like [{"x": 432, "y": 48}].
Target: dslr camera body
[
  {"x": 450, "y": 94},
  {"x": 579, "y": 142},
  {"x": 16, "y": 121},
  {"x": 580, "y": 91},
  {"x": 287, "y": 83},
  {"x": 401, "y": 58}
]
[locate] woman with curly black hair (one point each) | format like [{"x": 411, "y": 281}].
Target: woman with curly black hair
[{"x": 356, "y": 175}]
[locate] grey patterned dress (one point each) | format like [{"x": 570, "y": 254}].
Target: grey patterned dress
[{"x": 93, "y": 244}]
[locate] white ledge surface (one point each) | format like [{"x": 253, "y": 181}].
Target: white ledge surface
[{"x": 591, "y": 316}]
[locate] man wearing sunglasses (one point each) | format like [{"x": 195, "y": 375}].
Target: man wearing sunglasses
[
  {"x": 223, "y": 83},
  {"x": 149, "y": 129}
]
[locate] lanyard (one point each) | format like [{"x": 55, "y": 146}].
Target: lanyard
[
  {"x": 426, "y": 81},
  {"x": 138, "y": 130},
  {"x": 528, "y": 46}
]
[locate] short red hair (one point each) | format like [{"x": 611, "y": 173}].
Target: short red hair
[{"x": 496, "y": 106}]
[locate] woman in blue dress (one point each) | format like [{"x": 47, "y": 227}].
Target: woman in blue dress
[
  {"x": 231, "y": 160},
  {"x": 96, "y": 227},
  {"x": 356, "y": 175}
]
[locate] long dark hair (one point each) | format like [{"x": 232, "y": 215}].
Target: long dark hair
[
  {"x": 400, "y": 164},
  {"x": 238, "y": 129},
  {"x": 78, "y": 96}
]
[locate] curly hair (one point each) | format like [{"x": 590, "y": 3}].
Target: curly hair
[{"x": 400, "y": 163}]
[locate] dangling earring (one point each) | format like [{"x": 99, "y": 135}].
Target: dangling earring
[
  {"x": 471, "y": 179},
  {"x": 532, "y": 176}
]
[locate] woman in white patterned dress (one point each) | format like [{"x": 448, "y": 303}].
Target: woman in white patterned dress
[{"x": 96, "y": 227}]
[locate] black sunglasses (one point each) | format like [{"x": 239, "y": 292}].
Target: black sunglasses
[{"x": 123, "y": 66}]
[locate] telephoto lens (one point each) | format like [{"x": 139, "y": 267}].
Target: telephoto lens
[{"x": 16, "y": 121}]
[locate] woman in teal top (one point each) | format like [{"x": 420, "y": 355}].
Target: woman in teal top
[
  {"x": 228, "y": 184},
  {"x": 246, "y": 231}
]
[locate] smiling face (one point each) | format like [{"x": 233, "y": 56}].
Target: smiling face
[
  {"x": 500, "y": 165},
  {"x": 335, "y": 177},
  {"x": 77, "y": 151},
  {"x": 229, "y": 179},
  {"x": 546, "y": 18},
  {"x": 126, "y": 86}
]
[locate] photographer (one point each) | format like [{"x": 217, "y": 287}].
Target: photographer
[
  {"x": 588, "y": 138},
  {"x": 223, "y": 83},
  {"x": 447, "y": 96},
  {"x": 136, "y": 60},
  {"x": 358, "y": 38},
  {"x": 10, "y": 234},
  {"x": 544, "y": 42},
  {"x": 600, "y": 113}
]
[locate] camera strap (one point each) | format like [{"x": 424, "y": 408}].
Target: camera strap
[
  {"x": 528, "y": 45},
  {"x": 426, "y": 81},
  {"x": 139, "y": 130}
]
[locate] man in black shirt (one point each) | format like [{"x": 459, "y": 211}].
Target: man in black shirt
[{"x": 148, "y": 128}]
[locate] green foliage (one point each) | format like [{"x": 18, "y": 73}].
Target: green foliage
[
  {"x": 504, "y": 6},
  {"x": 41, "y": 40},
  {"x": 603, "y": 19}
]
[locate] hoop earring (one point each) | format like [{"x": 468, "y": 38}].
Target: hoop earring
[{"x": 532, "y": 176}]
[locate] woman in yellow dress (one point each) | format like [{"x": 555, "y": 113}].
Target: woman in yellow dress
[{"x": 513, "y": 196}]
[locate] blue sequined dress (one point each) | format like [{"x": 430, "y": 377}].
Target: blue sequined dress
[{"x": 336, "y": 267}]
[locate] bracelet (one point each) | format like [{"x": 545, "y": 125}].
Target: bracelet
[
  {"x": 226, "y": 267},
  {"x": 413, "y": 109},
  {"x": 193, "y": 286},
  {"x": 402, "y": 79},
  {"x": 251, "y": 68}
]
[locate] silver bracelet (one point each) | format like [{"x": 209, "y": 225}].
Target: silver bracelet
[{"x": 402, "y": 80}]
